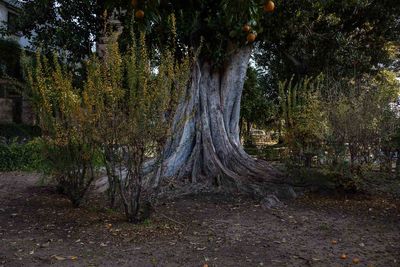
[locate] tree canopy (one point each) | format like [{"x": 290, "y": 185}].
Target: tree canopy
[
  {"x": 75, "y": 26},
  {"x": 302, "y": 36},
  {"x": 335, "y": 36}
]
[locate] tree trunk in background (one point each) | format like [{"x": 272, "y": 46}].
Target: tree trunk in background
[
  {"x": 398, "y": 164},
  {"x": 205, "y": 150},
  {"x": 307, "y": 160},
  {"x": 248, "y": 139}
]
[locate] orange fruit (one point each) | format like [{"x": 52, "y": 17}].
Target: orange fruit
[
  {"x": 356, "y": 260},
  {"x": 343, "y": 256},
  {"x": 139, "y": 14},
  {"x": 134, "y": 3},
  {"x": 334, "y": 242},
  {"x": 251, "y": 37},
  {"x": 246, "y": 28},
  {"x": 269, "y": 7}
]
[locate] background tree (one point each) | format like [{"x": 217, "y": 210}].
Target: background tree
[
  {"x": 339, "y": 38},
  {"x": 73, "y": 27},
  {"x": 257, "y": 107}
]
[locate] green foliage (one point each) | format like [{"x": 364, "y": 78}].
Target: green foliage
[
  {"x": 301, "y": 36},
  {"x": 339, "y": 38},
  {"x": 69, "y": 25},
  {"x": 216, "y": 26},
  {"x": 75, "y": 26},
  {"x": 322, "y": 179},
  {"x": 318, "y": 43},
  {"x": 256, "y": 107},
  {"x": 16, "y": 156},
  {"x": 73, "y": 166}
]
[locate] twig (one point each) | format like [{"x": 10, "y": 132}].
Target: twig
[{"x": 172, "y": 220}]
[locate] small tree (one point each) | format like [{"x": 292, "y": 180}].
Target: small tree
[
  {"x": 134, "y": 104},
  {"x": 304, "y": 118},
  {"x": 68, "y": 130}
]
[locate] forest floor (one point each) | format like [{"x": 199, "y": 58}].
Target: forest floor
[{"x": 40, "y": 228}]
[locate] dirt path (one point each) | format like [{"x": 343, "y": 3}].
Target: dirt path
[{"x": 39, "y": 228}]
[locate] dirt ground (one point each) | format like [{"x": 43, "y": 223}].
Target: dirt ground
[{"x": 40, "y": 228}]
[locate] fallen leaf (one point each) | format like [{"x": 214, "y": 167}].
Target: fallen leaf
[
  {"x": 45, "y": 245},
  {"x": 59, "y": 258}
]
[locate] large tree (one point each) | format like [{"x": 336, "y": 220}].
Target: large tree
[{"x": 205, "y": 148}]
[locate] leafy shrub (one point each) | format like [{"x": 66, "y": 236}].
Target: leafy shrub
[
  {"x": 21, "y": 156},
  {"x": 68, "y": 127},
  {"x": 325, "y": 179},
  {"x": 133, "y": 118},
  {"x": 343, "y": 128},
  {"x": 72, "y": 166}
]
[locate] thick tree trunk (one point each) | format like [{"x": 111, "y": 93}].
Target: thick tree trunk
[{"x": 205, "y": 150}]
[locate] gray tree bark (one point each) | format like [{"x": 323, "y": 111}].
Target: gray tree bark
[{"x": 204, "y": 151}]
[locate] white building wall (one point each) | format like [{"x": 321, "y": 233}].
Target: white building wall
[
  {"x": 21, "y": 40},
  {"x": 3, "y": 13}
]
